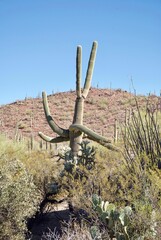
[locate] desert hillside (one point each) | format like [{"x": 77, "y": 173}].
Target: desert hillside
[{"x": 102, "y": 106}]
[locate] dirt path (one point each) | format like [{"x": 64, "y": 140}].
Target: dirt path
[{"x": 51, "y": 220}]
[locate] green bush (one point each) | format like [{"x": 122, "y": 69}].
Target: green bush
[{"x": 19, "y": 197}]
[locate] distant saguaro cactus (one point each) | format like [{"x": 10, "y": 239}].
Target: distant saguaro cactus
[{"x": 76, "y": 130}]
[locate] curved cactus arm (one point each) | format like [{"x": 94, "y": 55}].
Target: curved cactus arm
[
  {"x": 78, "y": 71},
  {"x": 53, "y": 140},
  {"x": 60, "y": 131},
  {"x": 90, "y": 68},
  {"x": 88, "y": 132},
  {"x": 93, "y": 136}
]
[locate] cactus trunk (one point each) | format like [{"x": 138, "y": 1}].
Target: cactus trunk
[{"x": 76, "y": 135}]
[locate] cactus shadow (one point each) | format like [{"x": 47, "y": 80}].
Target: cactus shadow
[{"x": 44, "y": 223}]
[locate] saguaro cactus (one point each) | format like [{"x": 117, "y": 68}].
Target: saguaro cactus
[{"x": 76, "y": 130}]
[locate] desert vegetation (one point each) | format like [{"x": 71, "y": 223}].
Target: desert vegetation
[
  {"x": 115, "y": 194},
  {"x": 87, "y": 186}
]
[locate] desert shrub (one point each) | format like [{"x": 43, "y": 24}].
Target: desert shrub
[
  {"x": 43, "y": 167},
  {"x": 40, "y": 164},
  {"x": 19, "y": 198},
  {"x": 24, "y": 179}
]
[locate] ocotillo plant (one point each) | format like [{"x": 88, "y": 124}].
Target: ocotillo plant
[
  {"x": 76, "y": 130},
  {"x": 141, "y": 137}
]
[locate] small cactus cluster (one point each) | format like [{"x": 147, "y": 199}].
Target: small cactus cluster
[
  {"x": 70, "y": 161},
  {"x": 87, "y": 155},
  {"x": 86, "y": 158},
  {"x": 115, "y": 220}
]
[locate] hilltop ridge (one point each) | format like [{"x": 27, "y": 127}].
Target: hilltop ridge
[{"x": 102, "y": 107}]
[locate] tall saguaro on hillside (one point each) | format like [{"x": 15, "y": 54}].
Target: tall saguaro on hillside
[{"x": 76, "y": 130}]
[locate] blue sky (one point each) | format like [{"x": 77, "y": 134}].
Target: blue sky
[{"x": 38, "y": 40}]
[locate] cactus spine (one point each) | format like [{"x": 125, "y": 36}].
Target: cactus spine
[{"x": 76, "y": 130}]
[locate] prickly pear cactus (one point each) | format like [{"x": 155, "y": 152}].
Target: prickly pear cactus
[
  {"x": 87, "y": 155},
  {"x": 116, "y": 220},
  {"x": 86, "y": 159}
]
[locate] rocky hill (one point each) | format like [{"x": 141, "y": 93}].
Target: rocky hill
[{"x": 102, "y": 107}]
